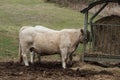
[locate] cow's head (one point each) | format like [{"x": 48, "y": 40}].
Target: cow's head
[{"x": 84, "y": 38}]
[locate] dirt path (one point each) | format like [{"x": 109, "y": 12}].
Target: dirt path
[{"x": 53, "y": 71}]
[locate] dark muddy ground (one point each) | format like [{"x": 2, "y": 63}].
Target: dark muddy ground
[{"x": 51, "y": 70}]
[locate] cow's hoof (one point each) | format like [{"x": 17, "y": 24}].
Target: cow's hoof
[{"x": 26, "y": 64}]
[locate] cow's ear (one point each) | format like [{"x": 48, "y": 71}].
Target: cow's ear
[{"x": 82, "y": 31}]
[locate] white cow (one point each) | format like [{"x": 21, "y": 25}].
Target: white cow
[{"x": 45, "y": 41}]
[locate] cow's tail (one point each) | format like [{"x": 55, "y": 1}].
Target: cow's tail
[
  {"x": 20, "y": 53},
  {"x": 20, "y": 49}
]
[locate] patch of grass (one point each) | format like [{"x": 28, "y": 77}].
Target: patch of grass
[
  {"x": 8, "y": 45},
  {"x": 17, "y": 13},
  {"x": 38, "y": 14}
]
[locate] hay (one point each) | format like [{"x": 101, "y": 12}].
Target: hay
[
  {"x": 113, "y": 19},
  {"x": 107, "y": 37}
]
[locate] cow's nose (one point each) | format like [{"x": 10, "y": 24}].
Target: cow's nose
[{"x": 85, "y": 40}]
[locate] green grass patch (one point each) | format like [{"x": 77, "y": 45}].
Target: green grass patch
[
  {"x": 17, "y": 13},
  {"x": 8, "y": 44}
]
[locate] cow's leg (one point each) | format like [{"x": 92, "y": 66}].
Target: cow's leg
[
  {"x": 20, "y": 54},
  {"x": 32, "y": 56},
  {"x": 70, "y": 57},
  {"x": 21, "y": 59},
  {"x": 25, "y": 59},
  {"x": 64, "y": 57}
]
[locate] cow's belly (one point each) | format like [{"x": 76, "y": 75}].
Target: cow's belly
[
  {"x": 46, "y": 48},
  {"x": 49, "y": 53},
  {"x": 47, "y": 44}
]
